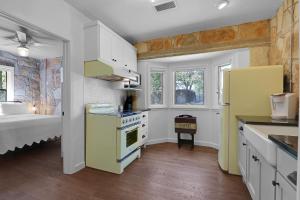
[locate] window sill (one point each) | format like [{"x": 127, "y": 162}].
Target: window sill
[
  {"x": 158, "y": 107},
  {"x": 190, "y": 107}
]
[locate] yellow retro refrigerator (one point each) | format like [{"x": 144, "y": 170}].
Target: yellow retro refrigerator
[{"x": 246, "y": 91}]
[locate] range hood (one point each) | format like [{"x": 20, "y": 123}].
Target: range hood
[{"x": 100, "y": 70}]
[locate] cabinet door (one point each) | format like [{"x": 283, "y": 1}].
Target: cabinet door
[
  {"x": 267, "y": 176},
  {"x": 242, "y": 153},
  {"x": 253, "y": 173},
  {"x": 129, "y": 57},
  {"x": 284, "y": 191},
  {"x": 117, "y": 51},
  {"x": 106, "y": 45}
]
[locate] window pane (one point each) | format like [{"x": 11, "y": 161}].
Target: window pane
[
  {"x": 3, "y": 76},
  {"x": 189, "y": 87},
  {"x": 156, "y": 88},
  {"x": 3, "y": 95},
  {"x": 3, "y": 86}
]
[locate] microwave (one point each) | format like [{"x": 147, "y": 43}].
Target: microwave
[{"x": 133, "y": 81}]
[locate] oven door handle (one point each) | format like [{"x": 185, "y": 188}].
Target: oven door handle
[{"x": 136, "y": 128}]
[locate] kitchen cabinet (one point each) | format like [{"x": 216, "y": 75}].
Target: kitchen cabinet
[
  {"x": 264, "y": 180},
  {"x": 284, "y": 191},
  {"x": 260, "y": 176},
  {"x": 102, "y": 44},
  {"x": 144, "y": 130},
  {"x": 253, "y": 169},
  {"x": 267, "y": 177},
  {"x": 242, "y": 152},
  {"x": 130, "y": 57}
]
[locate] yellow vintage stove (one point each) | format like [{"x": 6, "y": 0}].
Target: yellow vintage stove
[{"x": 111, "y": 139}]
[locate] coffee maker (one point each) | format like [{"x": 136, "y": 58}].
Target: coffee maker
[{"x": 284, "y": 106}]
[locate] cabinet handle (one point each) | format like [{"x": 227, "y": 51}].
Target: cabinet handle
[
  {"x": 143, "y": 125},
  {"x": 144, "y": 115},
  {"x": 143, "y": 136},
  {"x": 241, "y": 128},
  {"x": 255, "y": 158},
  {"x": 125, "y": 65},
  {"x": 274, "y": 183},
  {"x": 244, "y": 144}
]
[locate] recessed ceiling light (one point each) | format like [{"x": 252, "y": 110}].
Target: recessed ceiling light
[
  {"x": 222, "y": 4},
  {"x": 152, "y": 1}
]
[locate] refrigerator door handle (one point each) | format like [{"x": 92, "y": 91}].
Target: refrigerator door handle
[{"x": 225, "y": 104}]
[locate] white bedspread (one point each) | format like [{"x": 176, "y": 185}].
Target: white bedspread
[{"x": 21, "y": 129}]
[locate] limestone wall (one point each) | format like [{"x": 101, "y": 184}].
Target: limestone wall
[
  {"x": 285, "y": 41},
  {"x": 254, "y": 34}
]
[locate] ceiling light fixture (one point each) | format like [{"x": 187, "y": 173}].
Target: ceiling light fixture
[
  {"x": 23, "y": 51},
  {"x": 222, "y": 4},
  {"x": 152, "y": 1}
]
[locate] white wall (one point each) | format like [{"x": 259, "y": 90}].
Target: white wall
[
  {"x": 59, "y": 18},
  {"x": 161, "y": 121},
  {"x": 100, "y": 91}
]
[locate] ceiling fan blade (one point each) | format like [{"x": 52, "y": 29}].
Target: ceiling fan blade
[
  {"x": 12, "y": 37},
  {"x": 7, "y": 30},
  {"x": 22, "y": 37}
]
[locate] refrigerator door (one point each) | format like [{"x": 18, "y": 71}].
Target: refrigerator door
[
  {"x": 223, "y": 149},
  {"x": 250, "y": 89}
]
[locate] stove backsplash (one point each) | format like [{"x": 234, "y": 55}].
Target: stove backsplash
[{"x": 99, "y": 91}]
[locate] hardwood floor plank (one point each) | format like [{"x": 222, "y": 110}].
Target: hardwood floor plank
[{"x": 163, "y": 173}]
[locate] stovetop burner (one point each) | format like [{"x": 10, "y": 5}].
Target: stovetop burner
[{"x": 128, "y": 113}]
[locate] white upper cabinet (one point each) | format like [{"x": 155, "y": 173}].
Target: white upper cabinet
[
  {"x": 104, "y": 45},
  {"x": 130, "y": 57}
]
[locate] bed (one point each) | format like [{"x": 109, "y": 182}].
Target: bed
[{"x": 19, "y": 127}]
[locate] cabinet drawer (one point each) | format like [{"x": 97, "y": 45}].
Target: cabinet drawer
[{"x": 286, "y": 164}]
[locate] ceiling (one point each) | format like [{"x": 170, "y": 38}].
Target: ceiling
[
  {"x": 137, "y": 20},
  {"x": 48, "y": 47}
]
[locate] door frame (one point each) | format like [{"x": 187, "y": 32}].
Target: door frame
[{"x": 66, "y": 120}]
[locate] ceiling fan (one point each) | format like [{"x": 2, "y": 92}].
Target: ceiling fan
[{"x": 24, "y": 39}]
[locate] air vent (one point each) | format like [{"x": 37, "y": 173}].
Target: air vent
[{"x": 165, "y": 6}]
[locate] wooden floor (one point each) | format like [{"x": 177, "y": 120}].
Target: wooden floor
[{"x": 163, "y": 172}]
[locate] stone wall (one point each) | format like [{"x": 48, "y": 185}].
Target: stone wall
[
  {"x": 285, "y": 41},
  {"x": 37, "y": 81},
  {"x": 26, "y": 77},
  {"x": 254, "y": 34},
  {"x": 51, "y": 98}
]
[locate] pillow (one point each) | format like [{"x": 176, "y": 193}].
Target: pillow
[{"x": 14, "y": 108}]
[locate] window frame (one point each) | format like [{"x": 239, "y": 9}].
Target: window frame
[
  {"x": 5, "y": 85},
  {"x": 165, "y": 87},
  {"x": 10, "y": 89},
  {"x": 206, "y": 87}
]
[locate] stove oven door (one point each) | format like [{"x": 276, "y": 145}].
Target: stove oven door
[{"x": 127, "y": 141}]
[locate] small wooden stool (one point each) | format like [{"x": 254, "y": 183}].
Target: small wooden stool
[{"x": 186, "y": 124}]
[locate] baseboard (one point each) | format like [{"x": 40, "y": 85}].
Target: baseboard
[
  {"x": 173, "y": 140},
  {"x": 157, "y": 141},
  {"x": 79, "y": 167}
]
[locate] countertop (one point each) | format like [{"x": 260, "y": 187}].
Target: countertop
[
  {"x": 288, "y": 143},
  {"x": 266, "y": 120}
]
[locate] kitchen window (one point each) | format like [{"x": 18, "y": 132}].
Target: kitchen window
[
  {"x": 157, "y": 87},
  {"x": 189, "y": 87}
]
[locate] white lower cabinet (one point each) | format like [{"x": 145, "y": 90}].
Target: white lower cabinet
[
  {"x": 253, "y": 169},
  {"x": 284, "y": 191},
  {"x": 264, "y": 181},
  {"x": 267, "y": 177}
]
